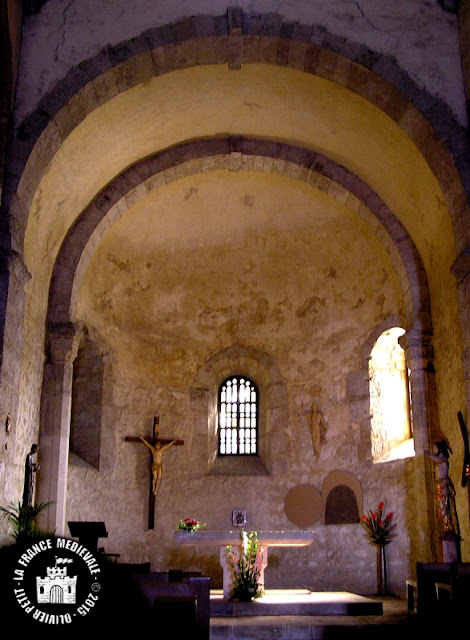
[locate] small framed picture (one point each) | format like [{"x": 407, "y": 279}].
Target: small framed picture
[{"x": 239, "y": 517}]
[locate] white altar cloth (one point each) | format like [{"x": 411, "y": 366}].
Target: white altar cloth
[{"x": 234, "y": 538}]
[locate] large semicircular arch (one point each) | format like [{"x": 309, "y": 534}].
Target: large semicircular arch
[
  {"x": 200, "y": 40},
  {"x": 238, "y": 153}
]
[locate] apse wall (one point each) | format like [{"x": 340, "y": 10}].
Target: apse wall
[{"x": 291, "y": 306}]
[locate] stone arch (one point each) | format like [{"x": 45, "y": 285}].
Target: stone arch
[
  {"x": 260, "y": 367},
  {"x": 312, "y": 168},
  {"x": 388, "y": 323},
  {"x": 322, "y": 172},
  {"x": 241, "y": 154},
  {"x": 358, "y": 390},
  {"x": 234, "y": 39},
  {"x": 203, "y": 39},
  {"x": 420, "y": 360}
]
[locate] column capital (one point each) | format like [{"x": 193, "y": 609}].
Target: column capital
[
  {"x": 13, "y": 263},
  {"x": 63, "y": 339},
  {"x": 419, "y": 349}
]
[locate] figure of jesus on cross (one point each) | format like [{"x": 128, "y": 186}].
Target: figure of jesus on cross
[
  {"x": 157, "y": 450},
  {"x": 156, "y": 446}
]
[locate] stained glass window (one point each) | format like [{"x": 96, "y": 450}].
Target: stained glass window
[{"x": 238, "y": 417}]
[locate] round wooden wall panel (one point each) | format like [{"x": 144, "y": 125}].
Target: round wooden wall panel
[{"x": 303, "y": 505}]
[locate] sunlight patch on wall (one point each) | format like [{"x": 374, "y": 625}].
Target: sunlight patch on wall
[{"x": 391, "y": 423}]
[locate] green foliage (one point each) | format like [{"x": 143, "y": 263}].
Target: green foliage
[
  {"x": 246, "y": 568},
  {"x": 22, "y": 520}
]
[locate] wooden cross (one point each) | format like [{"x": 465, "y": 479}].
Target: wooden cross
[
  {"x": 157, "y": 446},
  {"x": 466, "y": 455}
]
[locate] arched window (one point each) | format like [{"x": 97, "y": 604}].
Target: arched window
[
  {"x": 390, "y": 399},
  {"x": 238, "y": 417}
]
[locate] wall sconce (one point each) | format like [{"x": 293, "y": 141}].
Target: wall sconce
[{"x": 8, "y": 424}]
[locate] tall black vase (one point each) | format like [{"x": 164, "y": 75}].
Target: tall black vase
[{"x": 382, "y": 586}]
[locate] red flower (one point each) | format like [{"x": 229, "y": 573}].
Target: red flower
[
  {"x": 189, "y": 524},
  {"x": 378, "y": 530}
]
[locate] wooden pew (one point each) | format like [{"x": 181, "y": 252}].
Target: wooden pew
[
  {"x": 436, "y": 585},
  {"x": 454, "y": 596},
  {"x": 180, "y": 600},
  {"x": 427, "y": 574}
]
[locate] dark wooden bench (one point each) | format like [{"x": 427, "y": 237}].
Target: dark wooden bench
[
  {"x": 436, "y": 585},
  {"x": 180, "y": 600},
  {"x": 454, "y": 596}
]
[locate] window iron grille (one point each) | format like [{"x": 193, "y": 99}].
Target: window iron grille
[{"x": 238, "y": 417}]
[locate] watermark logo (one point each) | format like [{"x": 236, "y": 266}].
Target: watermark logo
[{"x": 57, "y": 581}]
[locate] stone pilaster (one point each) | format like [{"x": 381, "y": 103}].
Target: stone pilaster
[
  {"x": 461, "y": 271},
  {"x": 419, "y": 354},
  {"x": 13, "y": 277},
  {"x": 63, "y": 342}
]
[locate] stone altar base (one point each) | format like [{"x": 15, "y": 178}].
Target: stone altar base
[
  {"x": 395, "y": 622},
  {"x": 296, "y": 602}
]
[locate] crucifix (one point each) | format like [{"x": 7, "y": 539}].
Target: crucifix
[
  {"x": 157, "y": 446},
  {"x": 466, "y": 456}
]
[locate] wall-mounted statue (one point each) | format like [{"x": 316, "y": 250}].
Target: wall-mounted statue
[
  {"x": 445, "y": 490},
  {"x": 157, "y": 449},
  {"x": 317, "y": 428},
  {"x": 31, "y": 467}
]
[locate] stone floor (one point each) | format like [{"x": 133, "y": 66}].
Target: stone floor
[{"x": 387, "y": 617}]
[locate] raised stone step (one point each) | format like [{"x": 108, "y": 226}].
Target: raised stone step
[{"x": 297, "y": 602}]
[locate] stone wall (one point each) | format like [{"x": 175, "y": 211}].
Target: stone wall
[{"x": 340, "y": 557}]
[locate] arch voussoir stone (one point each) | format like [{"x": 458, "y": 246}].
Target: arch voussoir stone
[
  {"x": 266, "y": 39},
  {"x": 298, "y": 162}
]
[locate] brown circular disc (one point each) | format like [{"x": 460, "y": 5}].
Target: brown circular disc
[{"x": 303, "y": 505}]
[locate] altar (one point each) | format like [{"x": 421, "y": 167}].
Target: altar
[{"x": 234, "y": 538}]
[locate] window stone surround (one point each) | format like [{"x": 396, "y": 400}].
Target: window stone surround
[{"x": 273, "y": 408}]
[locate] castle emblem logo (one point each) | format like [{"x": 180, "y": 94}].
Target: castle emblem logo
[
  {"x": 57, "y": 581},
  {"x": 57, "y": 587}
]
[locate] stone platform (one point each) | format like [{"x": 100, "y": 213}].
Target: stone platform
[
  {"x": 337, "y": 616},
  {"x": 296, "y": 602}
]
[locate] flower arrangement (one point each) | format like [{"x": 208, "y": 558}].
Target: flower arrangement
[
  {"x": 378, "y": 529},
  {"x": 246, "y": 568},
  {"x": 189, "y": 524}
]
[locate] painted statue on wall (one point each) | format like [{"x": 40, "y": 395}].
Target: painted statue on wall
[{"x": 445, "y": 490}]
